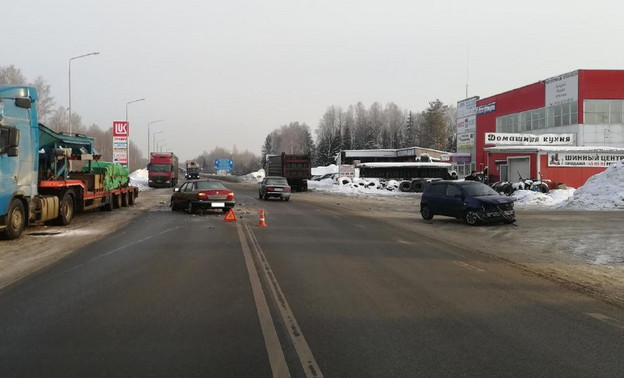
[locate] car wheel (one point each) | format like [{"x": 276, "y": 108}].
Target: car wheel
[
  {"x": 471, "y": 218},
  {"x": 173, "y": 205},
  {"x": 265, "y": 197},
  {"x": 286, "y": 199},
  {"x": 425, "y": 212},
  {"x": 190, "y": 208}
]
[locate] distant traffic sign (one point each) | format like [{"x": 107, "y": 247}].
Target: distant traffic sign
[{"x": 224, "y": 165}]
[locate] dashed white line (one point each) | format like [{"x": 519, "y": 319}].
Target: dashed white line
[
  {"x": 467, "y": 266},
  {"x": 606, "y": 319}
]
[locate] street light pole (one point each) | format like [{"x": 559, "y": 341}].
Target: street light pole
[
  {"x": 69, "y": 76},
  {"x": 148, "y": 135},
  {"x": 158, "y": 142},
  {"x": 154, "y": 139},
  {"x": 128, "y": 141}
]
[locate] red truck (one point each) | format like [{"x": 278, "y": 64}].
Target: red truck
[{"x": 162, "y": 170}]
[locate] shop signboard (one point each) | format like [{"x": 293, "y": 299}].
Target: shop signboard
[
  {"x": 466, "y": 140},
  {"x": 121, "y": 133},
  {"x": 583, "y": 159},
  {"x": 467, "y": 115},
  {"x": 521, "y": 139},
  {"x": 562, "y": 89}
]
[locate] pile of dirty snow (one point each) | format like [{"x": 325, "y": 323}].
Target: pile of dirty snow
[
  {"x": 602, "y": 191},
  {"x": 139, "y": 178},
  {"x": 553, "y": 198}
]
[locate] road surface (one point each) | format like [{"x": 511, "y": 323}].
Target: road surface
[{"x": 320, "y": 291}]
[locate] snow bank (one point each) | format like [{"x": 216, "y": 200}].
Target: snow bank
[
  {"x": 253, "y": 176},
  {"x": 553, "y": 198},
  {"x": 602, "y": 191},
  {"x": 139, "y": 178}
]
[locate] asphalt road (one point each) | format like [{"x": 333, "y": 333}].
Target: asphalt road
[{"x": 320, "y": 291}]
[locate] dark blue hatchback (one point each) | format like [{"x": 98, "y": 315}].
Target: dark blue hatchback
[{"x": 471, "y": 201}]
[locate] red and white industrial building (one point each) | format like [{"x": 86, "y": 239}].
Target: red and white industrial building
[{"x": 565, "y": 128}]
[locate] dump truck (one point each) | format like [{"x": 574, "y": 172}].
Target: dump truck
[
  {"x": 296, "y": 168},
  {"x": 192, "y": 170},
  {"x": 163, "y": 170},
  {"x": 38, "y": 182}
]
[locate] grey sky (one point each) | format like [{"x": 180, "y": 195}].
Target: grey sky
[{"x": 229, "y": 72}]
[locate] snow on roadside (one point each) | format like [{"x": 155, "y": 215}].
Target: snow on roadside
[
  {"x": 603, "y": 191},
  {"x": 139, "y": 178}
]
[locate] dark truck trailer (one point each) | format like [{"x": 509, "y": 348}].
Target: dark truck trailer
[{"x": 296, "y": 168}]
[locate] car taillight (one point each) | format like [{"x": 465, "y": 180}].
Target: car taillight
[
  {"x": 230, "y": 197},
  {"x": 270, "y": 188},
  {"x": 201, "y": 195},
  {"x": 287, "y": 190}
]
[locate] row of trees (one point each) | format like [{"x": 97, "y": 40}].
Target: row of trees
[
  {"x": 358, "y": 127},
  {"x": 58, "y": 118}
]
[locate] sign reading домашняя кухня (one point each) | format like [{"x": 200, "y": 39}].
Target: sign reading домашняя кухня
[{"x": 520, "y": 139}]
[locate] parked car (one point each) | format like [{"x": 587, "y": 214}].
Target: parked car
[
  {"x": 202, "y": 194},
  {"x": 472, "y": 201},
  {"x": 274, "y": 186}
]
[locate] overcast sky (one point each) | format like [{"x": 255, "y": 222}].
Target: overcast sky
[{"x": 225, "y": 73}]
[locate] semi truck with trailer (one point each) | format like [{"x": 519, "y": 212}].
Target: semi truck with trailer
[
  {"x": 192, "y": 170},
  {"x": 296, "y": 168},
  {"x": 37, "y": 182},
  {"x": 163, "y": 170}
]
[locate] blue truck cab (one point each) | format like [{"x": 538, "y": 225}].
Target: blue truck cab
[{"x": 19, "y": 139}]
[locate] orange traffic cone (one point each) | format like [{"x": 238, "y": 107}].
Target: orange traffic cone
[
  {"x": 230, "y": 217},
  {"x": 262, "y": 223}
]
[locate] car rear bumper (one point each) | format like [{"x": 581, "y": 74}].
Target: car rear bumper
[
  {"x": 278, "y": 194},
  {"x": 213, "y": 204}
]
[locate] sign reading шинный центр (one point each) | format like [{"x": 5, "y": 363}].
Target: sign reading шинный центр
[{"x": 519, "y": 139}]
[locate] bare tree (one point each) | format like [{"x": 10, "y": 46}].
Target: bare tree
[
  {"x": 11, "y": 75},
  {"x": 45, "y": 101}
]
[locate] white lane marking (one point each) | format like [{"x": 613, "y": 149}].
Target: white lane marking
[
  {"x": 606, "y": 319},
  {"x": 302, "y": 348},
  {"x": 120, "y": 248},
  {"x": 271, "y": 341},
  {"x": 467, "y": 266}
]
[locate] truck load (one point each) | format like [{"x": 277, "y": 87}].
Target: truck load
[
  {"x": 296, "y": 168},
  {"x": 37, "y": 181},
  {"x": 192, "y": 170},
  {"x": 162, "y": 170}
]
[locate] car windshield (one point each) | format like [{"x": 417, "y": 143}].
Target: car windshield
[
  {"x": 202, "y": 185},
  {"x": 276, "y": 181},
  {"x": 478, "y": 189},
  {"x": 159, "y": 168}
]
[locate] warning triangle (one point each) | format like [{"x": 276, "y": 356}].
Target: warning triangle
[{"x": 230, "y": 217}]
